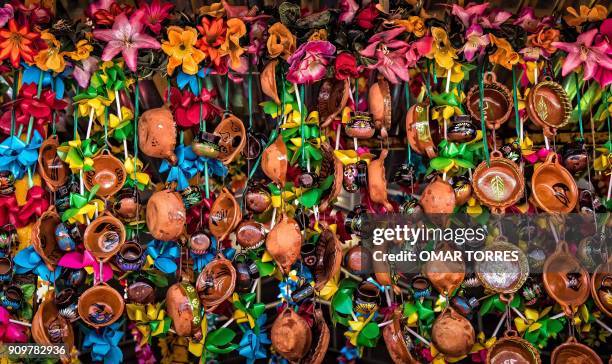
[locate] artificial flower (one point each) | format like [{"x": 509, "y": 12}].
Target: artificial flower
[
  {"x": 528, "y": 21},
  {"x": 348, "y": 9},
  {"x": 257, "y": 42},
  {"x": 345, "y": 66},
  {"x": 30, "y": 106},
  {"x": 443, "y": 51},
  {"x": 585, "y": 14},
  {"x": 281, "y": 43},
  {"x": 594, "y": 57},
  {"x": 413, "y": 24},
  {"x": 309, "y": 62},
  {"x": 50, "y": 59},
  {"x": 216, "y": 10},
  {"x": 504, "y": 56},
  {"x": 470, "y": 14},
  {"x": 16, "y": 43},
  {"x": 107, "y": 14},
  {"x": 213, "y": 31},
  {"x": 417, "y": 50},
  {"x": 390, "y": 54},
  {"x": 186, "y": 107},
  {"x": 544, "y": 40},
  {"x": 180, "y": 47},
  {"x": 154, "y": 14},
  {"x": 82, "y": 73},
  {"x": 495, "y": 19},
  {"x": 236, "y": 29},
  {"x": 365, "y": 18},
  {"x": 476, "y": 42},
  {"x": 82, "y": 51},
  {"x": 6, "y": 13},
  {"x": 319, "y": 34}
]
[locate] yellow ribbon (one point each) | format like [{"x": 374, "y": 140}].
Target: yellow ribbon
[
  {"x": 115, "y": 121},
  {"x": 241, "y": 316},
  {"x": 531, "y": 323},
  {"x": 143, "y": 315},
  {"x": 197, "y": 347},
  {"x": 350, "y": 156},
  {"x": 132, "y": 169},
  {"x": 356, "y": 327},
  {"x": 440, "y": 358},
  {"x": 482, "y": 343},
  {"x": 330, "y": 288}
]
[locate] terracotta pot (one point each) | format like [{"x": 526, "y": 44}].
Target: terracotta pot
[
  {"x": 418, "y": 130},
  {"x": 250, "y": 234},
  {"x": 216, "y": 283},
  {"x": 104, "y": 237},
  {"x": 573, "y": 352},
  {"x": 360, "y": 126},
  {"x": 268, "y": 81},
  {"x": 166, "y": 215},
  {"x": 50, "y": 167},
  {"x": 44, "y": 240},
  {"x": 108, "y": 173},
  {"x": 225, "y": 214},
  {"x": 183, "y": 307},
  {"x": 548, "y": 106},
  {"x": 333, "y": 96},
  {"x": 497, "y": 102},
  {"x": 274, "y": 161},
  {"x": 66, "y": 301},
  {"x": 330, "y": 165},
  {"x": 601, "y": 286},
  {"x": 461, "y": 129},
  {"x": 506, "y": 276},
  {"x": 207, "y": 145},
  {"x": 379, "y": 100},
  {"x": 100, "y": 306},
  {"x": 48, "y": 327},
  {"x": 367, "y": 298},
  {"x": 329, "y": 258},
  {"x": 553, "y": 187},
  {"x": 157, "y": 134},
  {"x": 498, "y": 185},
  {"x": 453, "y": 334},
  {"x": 142, "y": 291},
  {"x": 290, "y": 335},
  {"x": 565, "y": 280},
  {"x": 445, "y": 275},
  {"x": 130, "y": 257},
  {"x": 358, "y": 260},
  {"x": 395, "y": 340},
  {"x": 127, "y": 204},
  {"x": 233, "y": 138},
  {"x": 257, "y": 198},
  {"x": 511, "y": 348},
  {"x": 199, "y": 243},
  {"x": 438, "y": 197},
  {"x": 284, "y": 243},
  {"x": 377, "y": 181},
  {"x": 318, "y": 348}
]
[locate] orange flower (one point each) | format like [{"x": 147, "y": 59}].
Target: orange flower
[
  {"x": 544, "y": 39},
  {"x": 413, "y": 24},
  {"x": 281, "y": 43},
  {"x": 504, "y": 56},
  {"x": 16, "y": 43},
  {"x": 50, "y": 59},
  {"x": 213, "y": 32},
  {"x": 574, "y": 19},
  {"x": 82, "y": 51},
  {"x": 235, "y": 30},
  {"x": 180, "y": 48},
  {"x": 216, "y": 10}
]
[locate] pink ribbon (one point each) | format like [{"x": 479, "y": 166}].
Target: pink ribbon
[
  {"x": 77, "y": 260},
  {"x": 10, "y": 332},
  {"x": 36, "y": 204}
]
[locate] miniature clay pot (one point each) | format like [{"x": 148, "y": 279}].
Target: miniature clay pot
[
  {"x": 108, "y": 173},
  {"x": 573, "y": 352},
  {"x": 355, "y": 176},
  {"x": 225, "y": 214},
  {"x": 290, "y": 335},
  {"x": 330, "y": 165},
  {"x": 255, "y": 142},
  {"x": 358, "y": 260},
  {"x": 216, "y": 283},
  {"x": 199, "y": 243},
  {"x": 367, "y": 298},
  {"x": 461, "y": 129},
  {"x": 183, "y": 307},
  {"x": 274, "y": 161},
  {"x": 50, "y": 167},
  {"x": 497, "y": 102},
  {"x": 284, "y": 243},
  {"x": 104, "y": 237},
  {"x": 333, "y": 96},
  {"x": 396, "y": 343},
  {"x": 268, "y": 81},
  {"x": 505, "y": 276},
  {"x": 257, "y": 198},
  {"x": 601, "y": 287},
  {"x": 157, "y": 134},
  {"x": 7, "y": 183},
  {"x": 127, "y": 204},
  {"x": 44, "y": 239},
  {"x": 438, "y": 197},
  {"x": 360, "y": 126},
  {"x": 318, "y": 348},
  {"x": 250, "y": 234},
  {"x": 453, "y": 334},
  {"x": 49, "y": 327},
  {"x": 511, "y": 348},
  {"x": 166, "y": 215},
  {"x": 379, "y": 101},
  {"x": 377, "y": 181},
  {"x": 207, "y": 145},
  {"x": 548, "y": 106},
  {"x": 130, "y": 257},
  {"x": 499, "y": 184},
  {"x": 445, "y": 275},
  {"x": 66, "y": 301},
  {"x": 418, "y": 130},
  {"x": 575, "y": 157},
  {"x": 565, "y": 280},
  {"x": 463, "y": 190},
  {"x": 329, "y": 257},
  {"x": 233, "y": 138},
  {"x": 6, "y": 269},
  {"x": 141, "y": 291},
  {"x": 553, "y": 187},
  {"x": 100, "y": 305}
]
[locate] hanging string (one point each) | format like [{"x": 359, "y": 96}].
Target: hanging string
[
  {"x": 427, "y": 82},
  {"x": 516, "y": 110},
  {"x": 203, "y": 128},
  {"x": 482, "y": 114},
  {"x": 250, "y": 99},
  {"x": 31, "y": 122},
  {"x": 227, "y": 92},
  {"x": 75, "y": 118},
  {"x": 302, "y": 127},
  {"x": 168, "y": 91},
  {"x": 407, "y": 96},
  {"x": 14, "y": 98},
  {"x": 106, "y": 127},
  {"x": 136, "y": 115},
  {"x": 579, "y": 107}
]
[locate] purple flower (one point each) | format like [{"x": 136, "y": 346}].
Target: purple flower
[
  {"x": 82, "y": 73},
  {"x": 470, "y": 14},
  {"x": 495, "y": 18},
  {"x": 390, "y": 54},
  {"x": 309, "y": 62},
  {"x": 475, "y": 43},
  {"x": 6, "y": 14},
  {"x": 418, "y": 49},
  {"x": 154, "y": 14}
]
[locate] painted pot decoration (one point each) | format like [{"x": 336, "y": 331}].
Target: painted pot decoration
[
  {"x": 377, "y": 181},
  {"x": 246, "y": 273},
  {"x": 355, "y": 176},
  {"x": 575, "y": 158},
  {"x": 320, "y": 343},
  {"x": 511, "y": 348},
  {"x": 453, "y": 334},
  {"x": 418, "y": 130},
  {"x": 548, "y": 106},
  {"x": 127, "y": 204},
  {"x": 250, "y": 234},
  {"x": 461, "y": 129},
  {"x": 199, "y": 243},
  {"x": 291, "y": 336},
  {"x": 142, "y": 291},
  {"x": 6, "y": 269},
  {"x": 183, "y": 307},
  {"x": 44, "y": 240},
  {"x": 367, "y": 298},
  {"x": 329, "y": 258},
  {"x": 233, "y": 138},
  {"x": 7, "y": 183},
  {"x": 157, "y": 134},
  {"x": 225, "y": 214},
  {"x": 463, "y": 190},
  {"x": 100, "y": 306},
  {"x": 166, "y": 215},
  {"x": 49, "y": 327},
  {"x": 130, "y": 257},
  {"x": 12, "y": 298},
  {"x": 358, "y": 260},
  {"x": 104, "y": 237},
  {"x": 51, "y": 168},
  {"x": 553, "y": 187},
  {"x": 506, "y": 276},
  {"x": 8, "y": 238},
  {"x": 498, "y": 185},
  {"x": 255, "y": 144},
  {"x": 284, "y": 243},
  {"x": 601, "y": 287},
  {"x": 333, "y": 96},
  {"x": 497, "y": 102},
  {"x": 257, "y": 198},
  {"x": 207, "y": 145},
  {"x": 398, "y": 343},
  {"x": 66, "y": 301},
  {"x": 274, "y": 161},
  {"x": 360, "y": 126},
  {"x": 379, "y": 101},
  {"x": 573, "y": 352},
  {"x": 108, "y": 173},
  {"x": 330, "y": 166},
  {"x": 64, "y": 238},
  {"x": 216, "y": 283}
]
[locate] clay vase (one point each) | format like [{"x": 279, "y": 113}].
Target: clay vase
[
  {"x": 446, "y": 276},
  {"x": 377, "y": 181},
  {"x": 511, "y": 348},
  {"x": 290, "y": 335},
  {"x": 216, "y": 283},
  {"x": 49, "y": 327},
  {"x": 318, "y": 348},
  {"x": 330, "y": 165},
  {"x": 284, "y": 243},
  {"x": 233, "y": 138},
  {"x": 498, "y": 185},
  {"x": 50, "y": 167},
  {"x": 418, "y": 130},
  {"x": 379, "y": 101},
  {"x": 225, "y": 214},
  {"x": 553, "y": 187},
  {"x": 166, "y": 215},
  {"x": 453, "y": 334},
  {"x": 601, "y": 286},
  {"x": 333, "y": 96},
  {"x": 548, "y": 106},
  {"x": 573, "y": 352},
  {"x": 274, "y": 161},
  {"x": 268, "y": 81},
  {"x": 100, "y": 306},
  {"x": 104, "y": 237},
  {"x": 157, "y": 134},
  {"x": 108, "y": 173},
  {"x": 497, "y": 102},
  {"x": 565, "y": 280},
  {"x": 395, "y": 341},
  {"x": 438, "y": 197},
  {"x": 183, "y": 307},
  {"x": 329, "y": 257},
  {"x": 44, "y": 239},
  {"x": 250, "y": 234}
]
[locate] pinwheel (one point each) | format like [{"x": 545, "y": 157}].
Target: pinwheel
[
  {"x": 78, "y": 260},
  {"x": 78, "y": 154},
  {"x": 28, "y": 261},
  {"x": 104, "y": 343},
  {"x": 83, "y": 206},
  {"x": 151, "y": 320},
  {"x": 251, "y": 345},
  {"x": 163, "y": 255},
  {"x": 19, "y": 157},
  {"x": 11, "y": 332}
]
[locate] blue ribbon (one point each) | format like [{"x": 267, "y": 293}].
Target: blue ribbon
[
  {"x": 31, "y": 74},
  {"x": 17, "y": 157},
  {"x": 104, "y": 343},
  {"x": 187, "y": 166},
  {"x": 28, "y": 260},
  {"x": 286, "y": 287},
  {"x": 184, "y": 79},
  {"x": 164, "y": 254},
  {"x": 251, "y": 345},
  {"x": 350, "y": 352},
  {"x": 201, "y": 260},
  {"x": 215, "y": 166},
  {"x": 380, "y": 287}
]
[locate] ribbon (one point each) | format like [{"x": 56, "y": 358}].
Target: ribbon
[
  {"x": 246, "y": 310},
  {"x": 136, "y": 178},
  {"x": 494, "y": 304},
  {"x": 9, "y": 210},
  {"x": 287, "y": 285},
  {"x": 419, "y": 314},
  {"x": 17, "y": 156},
  {"x": 480, "y": 348},
  {"x": 163, "y": 255},
  {"x": 363, "y": 332},
  {"x": 32, "y": 75},
  {"x": 342, "y": 302},
  {"x": 184, "y": 169},
  {"x": 482, "y": 114},
  {"x": 121, "y": 126},
  {"x": 78, "y": 154},
  {"x": 217, "y": 341},
  {"x": 453, "y": 155},
  {"x": 27, "y": 260},
  {"x": 351, "y": 156},
  {"x": 104, "y": 343},
  {"x": 10, "y": 332},
  {"x": 183, "y": 80},
  {"x": 36, "y": 203},
  {"x": 251, "y": 345},
  {"x": 82, "y": 206},
  {"x": 151, "y": 320},
  {"x": 78, "y": 260},
  {"x": 537, "y": 328}
]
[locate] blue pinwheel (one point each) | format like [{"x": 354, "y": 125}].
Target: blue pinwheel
[{"x": 18, "y": 157}]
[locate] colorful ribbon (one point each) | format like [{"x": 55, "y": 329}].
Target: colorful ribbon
[
  {"x": 32, "y": 74},
  {"x": 78, "y": 154},
  {"x": 37, "y": 202},
  {"x": 104, "y": 343},
  {"x": 151, "y": 320},
  {"x": 18, "y": 156},
  {"x": 83, "y": 206},
  {"x": 251, "y": 345},
  {"x": 10, "y": 332},
  {"x": 163, "y": 255},
  {"x": 28, "y": 260},
  {"x": 78, "y": 260}
]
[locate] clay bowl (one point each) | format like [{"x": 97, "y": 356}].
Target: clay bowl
[
  {"x": 50, "y": 167},
  {"x": 274, "y": 161},
  {"x": 565, "y": 280},
  {"x": 453, "y": 334},
  {"x": 284, "y": 243},
  {"x": 257, "y": 198},
  {"x": 268, "y": 81},
  {"x": 395, "y": 341},
  {"x": 108, "y": 173},
  {"x": 333, "y": 96},
  {"x": 216, "y": 283},
  {"x": 157, "y": 134},
  {"x": 329, "y": 258},
  {"x": 603, "y": 271},
  {"x": 548, "y": 106},
  {"x": 573, "y": 352},
  {"x": 330, "y": 165},
  {"x": 183, "y": 307},
  {"x": 48, "y": 327},
  {"x": 553, "y": 187},
  {"x": 377, "y": 181},
  {"x": 291, "y": 336},
  {"x": 498, "y": 185},
  {"x": 504, "y": 277},
  {"x": 360, "y": 126},
  {"x": 379, "y": 100},
  {"x": 225, "y": 214},
  {"x": 233, "y": 138},
  {"x": 418, "y": 130},
  {"x": 100, "y": 306},
  {"x": 497, "y": 102},
  {"x": 318, "y": 348},
  {"x": 250, "y": 234},
  {"x": 44, "y": 240},
  {"x": 166, "y": 215},
  {"x": 513, "y": 349},
  {"x": 104, "y": 237}
]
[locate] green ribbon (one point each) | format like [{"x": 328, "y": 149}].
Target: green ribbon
[
  {"x": 102, "y": 82},
  {"x": 342, "y": 302},
  {"x": 78, "y": 201},
  {"x": 246, "y": 303},
  {"x": 427, "y": 84},
  {"x": 423, "y": 310},
  {"x": 494, "y": 304},
  {"x": 219, "y": 341},
  {"x": 77, "y": 154},
  {"x": 446, "y": 99},
  {"x": 482, "y": 114},
  {"x": 449, "y": 153}
]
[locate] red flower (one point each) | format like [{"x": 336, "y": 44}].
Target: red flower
[
  {"x": 365, "y": 18},
  {"x": 107, "y": 17},
  {"x": 186, "y": 106},
  {"x": 213, "y": 32},
  {"x": 17, "y": 43},
  {"x": 346, "y": 66},
  {"x": 155, "y": 13}
]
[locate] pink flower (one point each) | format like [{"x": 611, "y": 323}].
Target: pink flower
[
  {"x": 366, "y": 17},
  {"x": 309, "y": 62},
  {"x": 6, "y": 14},
  {"x": 476, "y": 42},
  {"x": 82, "y": 73},
  {"x": 95, "y": 6},
  {"x": 154, "y": 14},
  {"x": 390, "y": 54},
  {"x": 10, "y": 332},
  {"x": 418, "y": 49},
  {"x": 495, "y": 18},
  {"x": 595, "y": 57},
  {"x": 126, "y": 37},
  {"x": 528, "y": 21},
  {"x": 470, "y": 14},
  {"x": 346, "y": 66},
  {"x": 348, "y": 9}
]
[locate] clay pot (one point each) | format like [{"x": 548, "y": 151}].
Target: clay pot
[
  {"x": 497, "y": 102},
  {"x": 553, "y": 187},
  {"x": 418, "y": 130},
  {"x": 506, "y": 276},
  {"x": 444, "y": 275},
  {"x": 257, "y": 198},
  {"x": 157, "y": 134},
  {"x": 199, "y": 243},
  {"x": 453, "y": 334},
  {"x": 66, "y": 302},
  {"x": 573, "y": 352},
  {"x": 7, "y": 183},
  {"x": 291, "y": 337},
  {"x": 513, "y": 349},
  {"x": 274, "y": 161},
  {"x": 166, "y": 215},
  {"x": 100, "y": 306},
  {"x": 108, "y": 173},
  {"x": 355, "y": 176},
  {"x": 601, "y": 286},
  {"x": 360, "y": 126},
  {"x": 575, "y": 158},
  {"x": 104, "y": 237},
  {"x": 565, "y": 280},
  {"x": 130, "y": 257},
  {"x": 548, "y": 106},
  {"x": 233, "y": 138},
  {"x": 330, "y": 165},
  {"x": 127, "y": 204},
  {"x": 216, "y": 283},
  {"x": 329, "y": 258},
  {"x": 206, "y": 145},
  {"x": 250, "y": 234},
  {"x": 183, "y": 307},
  {"x": 49, "y": 327},
  {"x": 6, "y": 269},
  {"x": 358, "y": 260},
  {"x": 395, "y": 340},
  {"x": 438, "y": 197},
  {"x": 50, "y": 167},
  {"x": 142, "y": 291},
  {"x": 367, "y": 298},
  {"x": 268, "y": 81},
  {"x": 318, "y": 348},
  {"x": 44, "y": 240},
  {"x": 333, "y": 96},
  {"x": 463, "y": 190},
  {"x": 255, "y": 142},
  {"x": 379, "y": 101},
  {"x": 498, "y": 185},
  {"x": 377, "y": 181},
  {"x": 461, "y": 129},
  {"x": 225, "y": 214},
  {"x": 284, "y": 243}
]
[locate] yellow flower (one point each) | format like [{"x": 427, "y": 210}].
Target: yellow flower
[
  {"x": 320, "y": 34},
  {"x": 215, "y": 10},
  {"x": 235, "y": 30},
  {"x": 413, "y": 24},
  {"x": 456, "y": 73},
  {"x": 597, "y": 13},
  {"x": 82, "y": 51},
  {"x": 180, "y": 47},
  {"x": 50, "y": 59},
  {"x": 504, "y": 56},
  {"x": 443, "y": 51}
]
